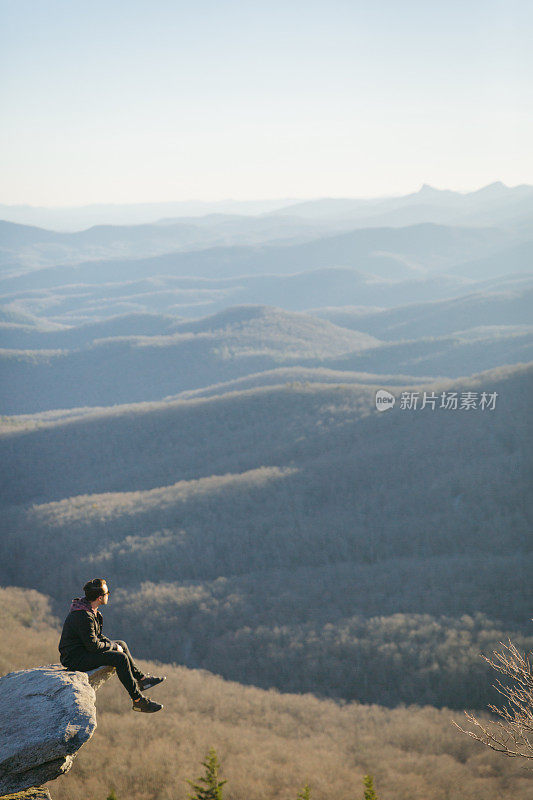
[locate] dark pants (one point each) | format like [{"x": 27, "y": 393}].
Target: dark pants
[{"x": 127, "y": 670}]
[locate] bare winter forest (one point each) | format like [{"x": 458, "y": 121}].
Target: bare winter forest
[
  {"x": 189, "y": 410},
  {"x": 270, "y": 743}
]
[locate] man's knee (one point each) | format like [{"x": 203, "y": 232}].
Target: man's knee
[
  {"x": 121, "y": 643},
  {"x": 116, "y": 659}
]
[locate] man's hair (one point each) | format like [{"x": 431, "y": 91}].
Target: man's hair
[{"x": 94, "y": 589}]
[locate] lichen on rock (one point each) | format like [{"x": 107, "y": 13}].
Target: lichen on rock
[{"x": 29, "y": 794}]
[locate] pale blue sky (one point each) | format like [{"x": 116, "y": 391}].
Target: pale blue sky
[{"x": 150, "y": 101}]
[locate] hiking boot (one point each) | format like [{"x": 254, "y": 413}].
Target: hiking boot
[
  {"x": 146, "y": 705},
  {"x": 149, "y": 681}
]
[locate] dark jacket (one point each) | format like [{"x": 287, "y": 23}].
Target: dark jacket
[{"x": 82, "y": 633}]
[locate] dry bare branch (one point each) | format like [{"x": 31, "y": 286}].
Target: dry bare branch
[{"x": 512, "y": 733}]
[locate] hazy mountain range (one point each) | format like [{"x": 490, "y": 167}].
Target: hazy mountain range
[
  {"x": 509, "y": 210},
  {"x": 75, "y": 218},
  {"x": 231, "y": 345},
  {"x": 189, "y": 408},
  {"x": 492, "y": 204},
  {"x": 495, "y": 204}
]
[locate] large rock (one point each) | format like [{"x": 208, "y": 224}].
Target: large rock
[{"x": 46, "y": 715}]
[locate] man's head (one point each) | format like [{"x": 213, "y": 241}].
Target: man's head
[{"x": 96, "y": 591}]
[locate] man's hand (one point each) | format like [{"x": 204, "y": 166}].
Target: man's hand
[{"x": 119, "y": 648}]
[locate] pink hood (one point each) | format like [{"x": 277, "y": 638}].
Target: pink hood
[{"x": 81, "y": 604}]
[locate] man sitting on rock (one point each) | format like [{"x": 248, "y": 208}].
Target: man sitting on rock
[{"x": 82, "y": 646}]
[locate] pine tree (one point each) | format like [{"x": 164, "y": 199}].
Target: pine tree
[
  {"x": 370, "y": 794},
  {"x": 305, "y": 794},
  {"x": 212, "y": 788}
]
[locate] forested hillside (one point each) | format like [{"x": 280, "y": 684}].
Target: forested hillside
[
  {"x": 198, "y": 424},
  {"x": 502, "y": 304},
  {"x": 270, "y": 744},
  {"x": 216, "y": 518},
  {"x": 231, "y": 345}
]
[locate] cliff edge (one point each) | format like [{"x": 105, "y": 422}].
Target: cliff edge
[{"x": 46, "y": 714}]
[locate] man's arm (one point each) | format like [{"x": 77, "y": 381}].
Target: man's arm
[
  {"x": 108, "y": 641},
  {"x": 114, "y": 645}
]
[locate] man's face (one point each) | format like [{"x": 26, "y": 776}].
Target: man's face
[{"x": 105, "y": 596}]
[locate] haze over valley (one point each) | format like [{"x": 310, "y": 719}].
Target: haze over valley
[
  {"x": 266, "y": 360},
  {"x": 188, "y": 408}
]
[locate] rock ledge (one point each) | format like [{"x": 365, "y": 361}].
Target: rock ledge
[{"x": 47, "y": 714}]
